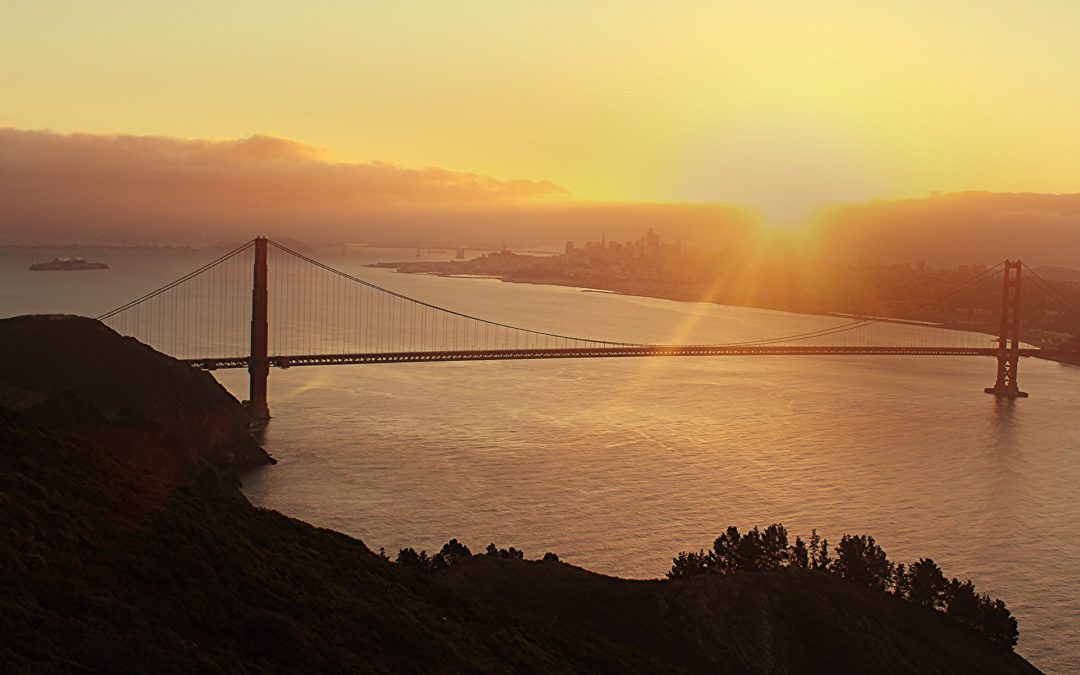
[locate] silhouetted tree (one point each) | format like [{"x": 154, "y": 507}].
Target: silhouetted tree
[
  {"x": 438, "y": 562},
  {"x": 799, "y": 556},
  {"x": 901, "y": 584},
  {"x": 495, "y": 552},
  {"x": 725, "y": 557},
  {"x": 984, "y": 614},
  {"x": 819, "y": 551},
  {"x": 512, "y": 553},
  {"x": 750, "y": 552},
  {"x": 997, "y": 623},
  {"x": 774, "y": 547},
  {"x": 550, "y": 557},
  {"x": 926, "y": 584},
  {"x": 962, "y": 602},
  {"x": 690, "y": 564},
  {"x": 453, "y": 552},
  {"x": 408, "y": 557},
  {"x": 859, "y": 558}
]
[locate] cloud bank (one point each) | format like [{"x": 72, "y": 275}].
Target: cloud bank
[
  {"x": 151, "y": 187},
  {"x": 962, "y": 227}
]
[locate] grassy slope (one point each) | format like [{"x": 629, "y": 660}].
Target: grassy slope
[{"x": 104, "y": 567}]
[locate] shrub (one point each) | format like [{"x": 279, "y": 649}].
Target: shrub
[{"x": 510, "y": 553}]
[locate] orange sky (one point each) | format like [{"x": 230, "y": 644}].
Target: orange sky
[{"x": 782, "y": 106}]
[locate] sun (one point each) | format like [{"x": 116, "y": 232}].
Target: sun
[
  {"x": 784, "y": 167},
  {"x": 786, "y": 215}
]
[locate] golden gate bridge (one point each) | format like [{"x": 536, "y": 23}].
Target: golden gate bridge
[{"x": 265, "y": 305}]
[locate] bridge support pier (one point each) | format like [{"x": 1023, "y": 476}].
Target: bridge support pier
[
  {"x": 259, "y": 364},
  {"x": 1008, "y": 356}
]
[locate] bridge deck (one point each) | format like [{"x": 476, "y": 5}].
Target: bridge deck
[{"x": 598, "y": 352}]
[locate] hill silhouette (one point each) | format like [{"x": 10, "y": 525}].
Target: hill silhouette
[
  {"x": 78, "y": 373},
  {"x": 108, "y": 567}
]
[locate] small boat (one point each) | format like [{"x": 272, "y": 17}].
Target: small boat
[{"x": 67, "y": 265}]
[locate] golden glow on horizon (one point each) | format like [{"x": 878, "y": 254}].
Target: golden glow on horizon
[{"x": 784, "y": 106}]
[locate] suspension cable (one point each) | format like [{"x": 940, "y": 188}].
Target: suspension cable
[
  {"x": 443, "y": 309},
  {"x": 174, "y": 284},
  {"x": 1047, "y": 286}
]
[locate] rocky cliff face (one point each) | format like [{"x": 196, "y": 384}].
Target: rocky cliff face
[{"x": 75, "y": 372}]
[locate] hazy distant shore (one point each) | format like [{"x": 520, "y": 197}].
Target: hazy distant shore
[
  {"x": 660, "y": 292},
  {"x": 656, "y": 291}
]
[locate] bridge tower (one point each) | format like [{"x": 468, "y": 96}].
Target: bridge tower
[
  {"x": 259, "y": 364},
  {"x": 1008, "y": 355}
]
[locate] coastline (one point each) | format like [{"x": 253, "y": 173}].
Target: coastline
[
  {"x": 402, "y": 268},
  {"x": 398, "y": 267}
]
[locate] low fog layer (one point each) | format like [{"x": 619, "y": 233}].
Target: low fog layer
[
  {"x": 964, "y": 227},
  {"x": 156, "y": 189},
  {"x": 150, "y": 188}
]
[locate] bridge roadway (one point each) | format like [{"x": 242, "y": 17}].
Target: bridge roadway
[{"x": 599, "y": 352}]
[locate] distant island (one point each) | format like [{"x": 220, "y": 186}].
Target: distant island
[
  {"x": 129, "y": 547},
  {"x": 67, "y": 265}
]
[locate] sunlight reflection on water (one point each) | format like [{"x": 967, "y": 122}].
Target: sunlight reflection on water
[{"x": 617, "y": 465}]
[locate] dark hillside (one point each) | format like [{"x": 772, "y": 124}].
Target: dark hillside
[
  {"x": 105, "y": 567},
  {"x": 779, "y": 621},
  {"x": 87, "y": 376}
]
